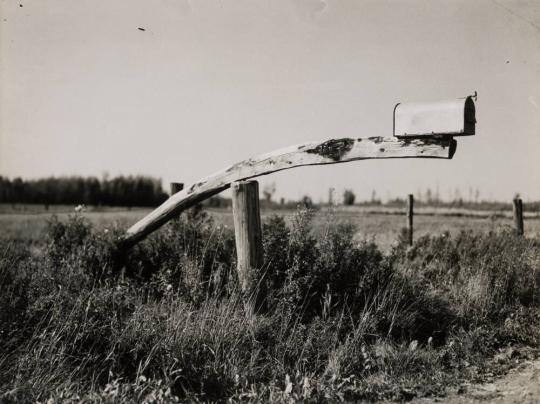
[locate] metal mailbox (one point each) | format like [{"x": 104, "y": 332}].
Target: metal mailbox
[{"x": 434, "y": 119}]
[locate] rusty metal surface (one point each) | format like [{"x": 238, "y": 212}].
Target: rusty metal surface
[{"x": 440, "y": 118}]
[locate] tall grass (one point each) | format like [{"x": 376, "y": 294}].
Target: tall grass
[{"x": 346, "y": 322}]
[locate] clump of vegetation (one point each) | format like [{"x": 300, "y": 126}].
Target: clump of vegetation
[
  {"x": 484, "y": 275},
  {"x": 166, "y": 323},
  {"x": 348, "y": 197}
]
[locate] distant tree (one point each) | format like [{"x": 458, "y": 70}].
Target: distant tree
[
  {"x": 269, "y": 191},
  {"x": 331, "y": 191},
  {"x": 348, "y": 197},
  {"x": 429, "y": 196},
  {"x": 306, "y": 201},
  {"x": 457, "y": 197},
  {"x": 119, "y": 191}
]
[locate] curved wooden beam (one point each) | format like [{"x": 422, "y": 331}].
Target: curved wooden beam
[{"x": 315, "y": 153}]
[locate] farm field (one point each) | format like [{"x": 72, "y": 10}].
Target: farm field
[{"x": 380, "y": 224}]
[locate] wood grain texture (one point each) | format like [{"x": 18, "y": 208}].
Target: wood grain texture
[
  {"x": 315, "y": 153},
  {"x": 518, "y": 216},
  {"x": 249, "y": 247}
]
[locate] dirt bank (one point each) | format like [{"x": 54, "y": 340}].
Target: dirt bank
[{"x": 520, "y": 385}]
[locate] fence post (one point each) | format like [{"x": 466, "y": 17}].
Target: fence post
[
  {"x": 410, "y": 215},
  {"x": 249, "y": 249},
  {"x": 518, "y": 215},
  {"x": 176, "y": 187}
]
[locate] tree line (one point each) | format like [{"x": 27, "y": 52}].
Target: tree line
[{"x": 117, "y": 191}]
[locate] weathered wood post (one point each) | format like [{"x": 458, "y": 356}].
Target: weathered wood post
[
  {"x": 249, "y": 249},
  {"x": 176, "y": 187},
  {"x": 518, "y": 216},
  {"x": 410, "y": 216}
]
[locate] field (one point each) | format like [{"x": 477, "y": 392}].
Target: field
[
  {"x": 353, "y": 313},
  {"x": 381, "y": 225}
]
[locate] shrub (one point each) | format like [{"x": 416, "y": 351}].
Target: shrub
[
  {"x": 348, "y": 197},
  {"x": 191, "y": 256},
  {"x": 310, "y": 277},
  {"x": 484, "y": 275}
]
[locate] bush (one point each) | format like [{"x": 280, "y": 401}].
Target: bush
[
  {"x": 484, "y": 275},
  {"x": 319, "y": 278},
  {"x": 191, "y": 256},
  {"x": 348, "y": 197}
]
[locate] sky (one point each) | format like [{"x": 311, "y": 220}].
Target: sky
[{"x": 84, "y": 91}]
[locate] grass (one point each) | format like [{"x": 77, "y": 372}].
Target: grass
[{"x": 347, "y": 320}]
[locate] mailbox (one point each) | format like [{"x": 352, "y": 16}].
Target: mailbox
[{"x": 435, "y": 119}]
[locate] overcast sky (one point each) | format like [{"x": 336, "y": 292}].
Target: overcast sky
[{"x": 208, "y": 83}]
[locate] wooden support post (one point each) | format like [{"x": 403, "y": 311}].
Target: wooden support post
[
  {"x": 518, "y": 216},
  {"x": 249, "y": 249},
  {"x": 176, "y": 187},
  {"x": 410, "y": 216}
]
